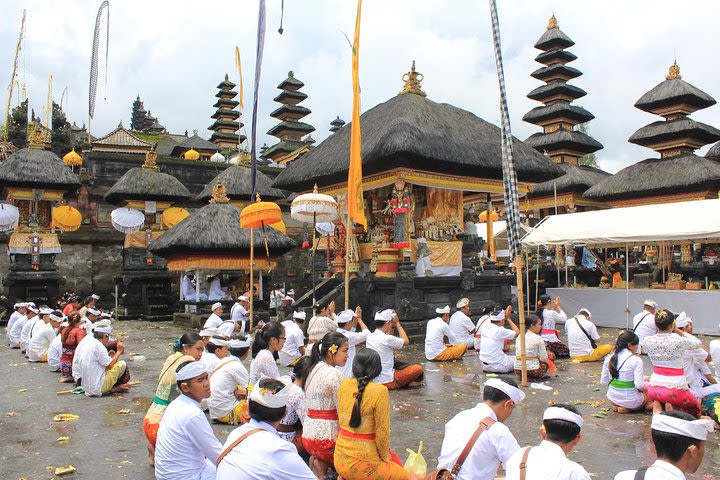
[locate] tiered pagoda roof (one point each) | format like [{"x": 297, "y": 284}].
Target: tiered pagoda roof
[
  {"x": 226, "y": 126},
  {"x": 291, "y": 129},
  {"x": 678, "y": 174},
  {"x": 337, "y": 124},
  {"x": 197, "y": 143}
]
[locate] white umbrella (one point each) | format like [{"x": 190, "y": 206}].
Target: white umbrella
[
  {"x": 314, "y": 207},
  {"x": 325, "y": 228},
  {"x": 127, "y": 220},
  {"x": 9, "y": 217}
]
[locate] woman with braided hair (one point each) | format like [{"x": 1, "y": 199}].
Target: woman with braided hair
[
  {"x": 624, "y": 374},
  {"x": 321, "y": 383},
  {"x": 363, "y": 451}
]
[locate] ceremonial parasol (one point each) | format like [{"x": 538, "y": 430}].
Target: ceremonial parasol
[
  {"x": 493, "y": 215},
  {"x": 174, "y": 215},
  {"x": 314, "y": 207},
  {"x": 127, "y": 220},
  {"x": 66, "y": 218},
  {"x": 9, "y": 217},
  {"x": 73, "y": 159}
]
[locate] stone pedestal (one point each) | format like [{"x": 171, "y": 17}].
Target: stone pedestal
[
  {"x": 41, "y": 286},
  {"x": 145, "y": 289}
]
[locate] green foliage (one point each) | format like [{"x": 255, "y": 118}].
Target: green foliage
[
  {"x": 150, "y": 137},
  {"x": 589, "y": 160}
]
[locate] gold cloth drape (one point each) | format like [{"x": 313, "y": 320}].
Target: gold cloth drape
[
  {"x": 217, "y": 262},
  {"x": 443, "y": 203},
  {"x": 139, "y": 239},
  {"x": 443, "y": 254}
]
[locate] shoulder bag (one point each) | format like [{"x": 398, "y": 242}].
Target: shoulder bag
[{"x": 444, "y": 474}]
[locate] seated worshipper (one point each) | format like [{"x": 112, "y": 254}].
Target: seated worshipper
[
  {"x": 239, "y": 313},
  {"x": 668, "y": 385},
  {"x": 188, "y": 291},
  {"x": 187, "y": 348},
  {"x": 714, "y": 348},
  {"x": 186, "y": 445},
  {"x": 99, "y": 372},
  {"x": 254, "y": 451},
  {"x": 90, "y": 317},
  {"x": 644, "y": 322},
  {"x": 217, "y": 291},
  {"x": 423, "y": 268},
  {"x": 285, "y": 308},
  {"x": 495, "y": 443},
  {"x": 291, "y": 425},
  {"x": 436, "y": 330},
  {"x": 348, "y": 322},
  {"x": 679, "y": 442},
  {"x": 20, "y": 311},
  {"x": 582, "y": 337},
  {"x": 560, "y": 434},
  {"x": 268, "y": 341},
  {"x": 362, "y": 449},
  {"x": 294, "y": 348},
  {"x": 43, "y": 335},
  {"x": 551, "y": 314},
  {"x": 537, "y": 363},
  {"x": 321, "y": 384},
  {"x": 493, "y": 340},
  {"x": 30, "y": 326},
  {"x": 215, "y": 319},
  {"x": 215, "y": 350},
  {"x": 72, "y": 304},
  {"x": 623, "y": 373},
  {"x": 15, "y": 333},
  {"x": 321, "y": 324},
  {"x": 394, "y": 374},
  {"x": 461, "y": 325},
  {"x": 228, "y": 386},
  {"x": 88, "y": 304},
  {"x": 55, "y": 351},
  {"x": 207, "y": 333}
]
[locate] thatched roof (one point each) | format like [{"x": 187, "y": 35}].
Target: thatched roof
[
  {"x": 215, "y": 228},
  {"x": 237, "y": 182},
  {"x": 290, "y": 83},
  {"x": 145, "y": 184},
  {"x": 576, "y": 179},
  {"x": 540, "y": 114},
  {"x": 556, "y": 88},
  {"x": 552, "y": 39},
  {"x": 714, "y": 152},
  {"x": 563, "y": 140},
  {"x": 195, "y": 142},
  {"x": 543, "y": 73},
  {"x": 684, "y": 127},
  {"x": 415, "y": 132},
  {"x": 555, "y": 56},
  {"x": 657, "y": 176},
  {"x": 674, "y": 92},
  {"x": 37, "y": 168}
]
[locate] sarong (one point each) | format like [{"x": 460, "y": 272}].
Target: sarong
[
  {"x": 451, "y": 353},
  {"x": 536, "y": 374},
  {"x": 350, "y": 468},
  {"x": 150, "y": 430},
  {"x": 559, "y": 349},
  {"x": 119, "y": 374},
  {"x": 240, "y": 414},
  {"x": 405, "y": 375},
  {"x": 711, "y": 406},
  {"x": 680, "y": 399},
  {"x": 598, "y": 354},
  {"x": 322, "y": 449}
]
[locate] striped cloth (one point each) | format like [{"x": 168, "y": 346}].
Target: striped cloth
[
  {"x": 510, "y": 189},
  {"x": 258, "y": 68}
]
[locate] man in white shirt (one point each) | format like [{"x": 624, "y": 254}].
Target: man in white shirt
[
  {"x": 348, "y": 321},
  {"x": 239, "y": 312},
  {"x": 187, "y": 289},
  {"x": 215, "y": 319},
  {"x": 580, "y": 330},
  {"x": 91, "y": 316},
  {"x": 42, "y": 336},
  {"x": 99, "y": 372},
  {"x": 493, "y": 341},
  {"x": 228, "y": 385},
  {"x": 461, "y": 325},
  {"x": 217, "y": 291},
  {"x": 31, "y": 326},
  {"x": 55, "y": 350},
  {"x": 560, "y": 433},
  {"x": 285, "y": 308},
  {"x": 215, "y": 350},
  {"x": 294, "y": 348},
  {"x": 714, "y": 348},
  {"x": 644, "y": 322},
  {"x": 20, "y": 311},
  {"x": 186, "y": 446},
  {"x": 394, "y": 374},
  {"x": 436, "y": 330},
  {"x": 679, "y": 442},
  {"x": 495, "y": 445},
  {"x": 15, "y": 333}
]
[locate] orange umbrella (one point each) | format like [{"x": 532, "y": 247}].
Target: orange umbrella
[
  {"x": 66, "y": 218},
  {"x": 174, "y": 215},
  {"x": 484, "y": 215}
]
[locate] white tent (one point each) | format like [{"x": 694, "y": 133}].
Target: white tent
[{"x": 500, "y": 235}]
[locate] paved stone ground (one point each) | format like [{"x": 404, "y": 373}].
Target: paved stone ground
[{"x": 107, "y": 445}]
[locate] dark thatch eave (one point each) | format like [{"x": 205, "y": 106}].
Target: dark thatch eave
[
  {"x": 215, "y": 228},
  {"x": 563, "y": 140},
  {"x": 144, "y": 184},
  {"x": 196, "y": 142},
  {"x": 298, "y": 110},
  {"x": 220, "y": 112},
  {"x": 576, "y": 179},
  {"x": 226, "y": 94},
  {"x": 556, "y": 88},
  {"x": 301, "y": 127},
  {"x": 284, "y": 147},
  {"x": 674, "y": 92},
  {"x": 659, "y": 176},
  {"x": 553, "y": 39},
  {"x": 37, "y": 168},
  {"x": 414, "y": 132},
  {"x": 238, "y": 186},
  {"x": 286, "y": 95},
  {"x": 714, "y": 152},
  {"x": 290, "y": 83},
  {"x": 546, "y": 72},
  {"x": 231, "y": 104},
  {"x": 542, "y": 114},
  {"x": 555, "y": 56},
  {"x": 225, "y": 85},
  {"x": 662, "y": 131}
]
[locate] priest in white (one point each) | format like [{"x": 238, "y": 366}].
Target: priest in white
[
  {"x": 43, "y": 336},
  {"x": 461, "y": 325},
  {"x": 643, "y": 323},
  {"x": 493, "y": 341},
  {"x": 437, "y": 330},
  {"x": 294, "y": 347},
  {"x": 348, "y": 323}
]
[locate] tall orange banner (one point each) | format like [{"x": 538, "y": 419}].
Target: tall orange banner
[
  {"x": 238, "y": 65},
  {"x": 356, "y": 207}
]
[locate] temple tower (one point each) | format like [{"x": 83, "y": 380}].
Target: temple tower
[
  {"x": 227, "y": 125},
  {"x": 336, "y": 124},
  {"x": 558, "y": 117}
]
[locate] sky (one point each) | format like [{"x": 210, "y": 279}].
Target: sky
[{"x": 174, "y": 53}]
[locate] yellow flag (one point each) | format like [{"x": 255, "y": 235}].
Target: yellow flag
[
  {"x": 238, "y": 65},
  {"x": 356, "y": 207}
]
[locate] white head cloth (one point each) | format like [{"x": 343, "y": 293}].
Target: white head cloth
[
  {"x": 557, "y": 413},
  {"x": 216, "y": 305},
  {"x": 443, "y": 311},
  {"x": 64, "y": 324},
  {"x": 238, "y": 343},
  {"x": 463, "y": 302},
  {"x": 106, "y": 330},
  {"x": 220, "y": 342},
  {"x": 209, "y": 332},
  {"x": 106, "y": 315},
  {"x": 515, "y": 394},
  {"x": 30, "y": 304},
  {"x": 32, "y": 309},
  {"x": 95, "y": 296},
  {"x": 585, "y": 312},
  {"x": 291, "y": 292},
  {"x": 191, "y": 370},
  {"x": 384, "y": 315},
  {"x": 697, "y": 429},
  {"x": 92, "y": 311},
  {"x": 46, "y": 311},
  {"x": 345, "y": 316},
  {"x": 55, "y": 318},
  {"x": 682, "y": 320},
  {"x": 650, "y": 303},
  {"x": 20, "y": 305},
  {"x": 300, "y": 315},
  {"x": 270, "y": 400},
  {"x": 243, "y": 298},
  {"x": 498, "y": 317}
]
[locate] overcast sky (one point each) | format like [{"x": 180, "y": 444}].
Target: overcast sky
[{"x": 174, "y": 53}]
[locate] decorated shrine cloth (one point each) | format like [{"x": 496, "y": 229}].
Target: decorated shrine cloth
[
  {"x": 443, "y": 254},
  {"x": 443, "y": 203},
  {"x": 139, "y": 239},
  {"x": 21, "y": 243},
  {"x": 217, "y": 262}
]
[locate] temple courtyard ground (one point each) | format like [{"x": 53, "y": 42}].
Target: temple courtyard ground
[{"x": 107, "y": 442}]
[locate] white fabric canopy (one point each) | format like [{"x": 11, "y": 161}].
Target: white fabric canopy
[{"x": 696, "y": 221}]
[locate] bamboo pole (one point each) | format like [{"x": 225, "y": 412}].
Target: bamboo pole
[
  {"x": 347, "y": 262},
  {"x": 537, "y": 278},
  {"x": 521, "y": 313},
  {"x": 527, "y": 279},
  {"x": 252, "y": 276},
  {"x": 12, "y": 78}
]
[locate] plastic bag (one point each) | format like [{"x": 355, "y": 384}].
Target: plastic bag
[{"x": 415, "y": 463}]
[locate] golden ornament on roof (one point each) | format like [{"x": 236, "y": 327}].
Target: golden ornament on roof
[
  {"x": 552, "y": 23},
  {"x": 150, "y": 161},
  {"x": 37, "y": 137},
  {"x": 218, "y": 194},
  {"x": 412, "y": 81},
  {"x": 72, "y": 159},
  {"x": 244, "y": 158},
  {"x": 674, "y": 72},
  {"x": 191, "y": 154}
]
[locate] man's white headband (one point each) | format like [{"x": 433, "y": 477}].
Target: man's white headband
[
  {"x": 557, "y": 413},
  {"x": 104, "y": 330},
  {"x": 268, "y": 399},
  {"x": 515, "y": 394},
  {"x": 500, "y": 316},
  {"x": 208, "y": 332},
  {"x": 443, "y": 311},
  {"x": 697, "y": 429},
  {"x": 384, "y": 315},
  {"x": 191, "y": 370},
  {"x": 220, "y": 342},
  {"x": 92, "y": 311},
  {"x": 300, "y": 315},
  {"x": 55, "y": 318},
  {"x": 463, "y": 302},
  {"x": 345, "y": 316},
  {"x": 238, "y": 343}
]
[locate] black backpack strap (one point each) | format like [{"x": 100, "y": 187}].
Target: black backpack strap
[
  {"x": 641, "y": 320},
  {"x": 640, "y": 473},
  {"x": 593, "y": 344}
]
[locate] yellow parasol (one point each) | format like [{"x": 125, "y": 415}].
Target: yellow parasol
[
  {"x": 191, "y": 154},
  {"x": 173, "y": 215},
  {"x": 73, "y": 159},
  {"x": 66, "y": 218},
  {"x": 484, "y": 215}
]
